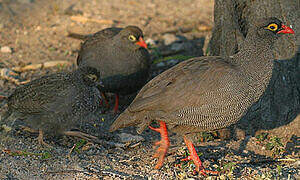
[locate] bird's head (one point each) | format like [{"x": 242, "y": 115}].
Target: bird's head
[
  {"x": 273, "y": 27},
  {"x": 132, "y": 36},
  {"x": 91, "y": 76}
]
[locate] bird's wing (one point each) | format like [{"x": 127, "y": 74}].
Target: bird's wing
[
  {"x": 95, "y": 40},
  {"x": 196, "y": 87},
  {"x": 63, "y": 101},
  {"x": 32, "y": 97}
]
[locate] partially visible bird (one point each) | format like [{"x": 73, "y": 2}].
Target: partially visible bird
[
  {"x": 54, "y": 104},
  {"x": 205, "y": 93},
  {"x": 121, "y": 57}
]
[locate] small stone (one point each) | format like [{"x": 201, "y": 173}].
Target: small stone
[
  {"x": 71, "y": 12},
  {"x": 221, "y": 177},
  {"x": 6, "y": 49},
  {"x": 245, "y": 151},
  {"x": 75, "y": 47},
  {"x": 172, "y": 62},
  {"x": 297, "y": 164},
  {"x": 160, "y": 64},
  {"x": 125, "y": 138},
  {"x": 151, "y": 42},
  {"x": 240, "y": 134},
  {"x": 169, "y": 39},
  {"x": 26, "y": 1},
  {"x": 177, "y": 47},
  {"x": 38, "y": 28}
]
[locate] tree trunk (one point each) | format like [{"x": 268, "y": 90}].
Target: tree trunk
[{"x": 278, "y": 107}]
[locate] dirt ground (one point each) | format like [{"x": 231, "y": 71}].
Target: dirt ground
[{"x": 36, "y": 32}]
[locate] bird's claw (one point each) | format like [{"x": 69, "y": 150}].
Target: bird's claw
[{"x": 163, "y": 144}]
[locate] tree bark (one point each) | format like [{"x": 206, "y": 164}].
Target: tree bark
[{"x": 278, "y": 107}]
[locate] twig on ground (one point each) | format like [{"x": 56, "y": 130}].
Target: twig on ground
[
  {"x": 11, "y": 74},
  {"x": 105, "y": 172},
  {"x": 82, "y": 19},
  {"x": 267, "y": 161},
  {"x": 188, "y": 29},
  {"x": 41, "y": 65},
  {"x": 71, "y": 171},
  {"x": 71, "y": 150}
]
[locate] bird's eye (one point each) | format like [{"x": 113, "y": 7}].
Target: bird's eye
[
  {"x": 272, "y": 27},
  {"x": 92, "y": 77},
  {"x": 132, "y": 38}
]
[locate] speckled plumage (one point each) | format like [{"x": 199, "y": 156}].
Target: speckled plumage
[
  {"x": 205, "y": 93},
  {"x": 123, "y": 64},
  {"x": 58, "y": 102}
]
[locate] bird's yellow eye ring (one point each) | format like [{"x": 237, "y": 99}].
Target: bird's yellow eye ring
[
  {"x": 132, "y": 38},
  {"x": 92, "y": 77},
  {"x": 272, "y": 27}
]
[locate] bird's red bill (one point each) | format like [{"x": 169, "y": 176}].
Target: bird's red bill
[
  {"x": 286, "y": 30},
  {"x": 142, "y": 43}
]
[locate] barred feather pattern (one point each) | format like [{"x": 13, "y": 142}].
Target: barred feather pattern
[
  {"x": 207, "y": 93},
  {"x": 56, "y": 103}
]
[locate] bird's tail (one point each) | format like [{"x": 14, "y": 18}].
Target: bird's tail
[
  {"x": 124, "y": 120},
  {"x": 78, "y": 36},
  {"x": 5, "y": 120},
  {"x": 7, "y": 113}
]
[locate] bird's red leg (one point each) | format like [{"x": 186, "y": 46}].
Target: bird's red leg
[
  {"x": 194, "y": 156},
  {"x": 116, "y": 108},
  {"x": 163, "y": 144},
  {"x": 105, "y": 99}
]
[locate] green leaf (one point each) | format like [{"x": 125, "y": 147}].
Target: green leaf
[{"x": 46, "y": 155}]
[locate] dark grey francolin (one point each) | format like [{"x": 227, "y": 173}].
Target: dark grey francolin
[
  {"x": 121, "y": 57},
  {"x": 205, "y": 93}
]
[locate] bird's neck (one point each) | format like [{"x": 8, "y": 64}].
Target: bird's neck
[
  {"x": 255, "y": 61},
  {"x": 76, "y": 76},
  {"x": 255, "y": 56}
]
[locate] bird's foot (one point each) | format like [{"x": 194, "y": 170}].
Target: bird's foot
[
  {"x": 40, "y": 139},
  {"x": 163, "y": 144},
  {"x": 116, "y": 108},
  {"x": 104, "y": 99},
  {"x": 161, "y": 152},
  {"x": 193, "y": 156}
]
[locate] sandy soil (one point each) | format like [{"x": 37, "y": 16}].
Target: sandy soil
[{"x": 37, "y": 32}]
